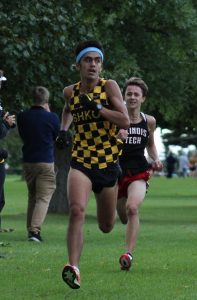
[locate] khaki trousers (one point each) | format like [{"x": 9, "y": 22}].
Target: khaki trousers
[{"x": 41, "y": 183}]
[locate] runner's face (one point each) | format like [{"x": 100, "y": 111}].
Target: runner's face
[
  {"x": 90, "y": 65},
  {"x": 134, "y": 96}
]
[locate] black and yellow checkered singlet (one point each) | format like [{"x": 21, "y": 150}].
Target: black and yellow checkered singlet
[{"x": 95, "y": 143}]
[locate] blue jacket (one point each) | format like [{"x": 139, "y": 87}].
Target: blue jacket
[{"x": 38, "y": 130}]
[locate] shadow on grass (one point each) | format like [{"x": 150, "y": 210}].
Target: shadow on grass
[
  {"x": 155, "y": 215},
  {"x": 14, "y": 217},
  {"x": 169, "y": 215},
  {"x": 174, "y": 197}
]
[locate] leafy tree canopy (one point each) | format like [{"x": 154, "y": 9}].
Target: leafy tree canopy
[{"x": 154, "y": 39}]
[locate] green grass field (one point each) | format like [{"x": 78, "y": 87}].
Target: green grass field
[{"x": 165, "y": 264}]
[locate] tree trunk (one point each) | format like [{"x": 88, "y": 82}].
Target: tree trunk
[{"x": 59, "y": 201}]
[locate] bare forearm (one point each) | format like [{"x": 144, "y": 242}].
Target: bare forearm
[
  {"x": 119, "y": 118},
  {"x": 66, "y": 120},
  {"x": 152, "y": 152}
]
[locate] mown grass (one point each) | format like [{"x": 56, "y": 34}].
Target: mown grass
[{"x": 165, "y": 264}]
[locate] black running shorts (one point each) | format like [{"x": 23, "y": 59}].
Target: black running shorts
[{"x": 100, "y": 178}]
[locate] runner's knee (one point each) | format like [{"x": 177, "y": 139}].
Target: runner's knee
[
  {"x": 106, "y": 228},
  {"x": 76, "y": 212},
  {"x": 131, "y": 210}
]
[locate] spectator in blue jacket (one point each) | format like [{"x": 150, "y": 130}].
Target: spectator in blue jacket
[{"x": 38, "y": 129}]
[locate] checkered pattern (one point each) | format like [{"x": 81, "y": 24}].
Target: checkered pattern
[{"x": 95, "y": 142}]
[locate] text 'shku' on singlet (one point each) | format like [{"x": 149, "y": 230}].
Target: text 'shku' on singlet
[
  {"x": 133, "y": 157},
  {"x": 95, "y": 143}
]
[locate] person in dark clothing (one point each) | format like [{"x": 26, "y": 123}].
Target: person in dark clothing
[
  {"x": 7, "y": 121},
  {"x": 38, "y": 129},
  {"x": 170, "y": 165},
  {"x": 136, "y": 170},
  {"x": 5, "y": 124}
]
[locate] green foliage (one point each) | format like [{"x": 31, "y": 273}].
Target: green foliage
[
  {"x": 164, "y": 264},
  {"x": 178, "y": 137},
  {"x": 149, "y": 38},
  {"x": 36, "y": 40}
]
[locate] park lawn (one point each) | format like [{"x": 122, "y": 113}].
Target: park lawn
[{"x": 165, "y": 264}]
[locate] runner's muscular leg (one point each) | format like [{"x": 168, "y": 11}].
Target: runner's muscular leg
[
  {"x": 121, "y": 209},
  {"x": 79, "y": 189},
  {"x": 136, "y": 194},
  {"x": 106, "y": 208}
]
